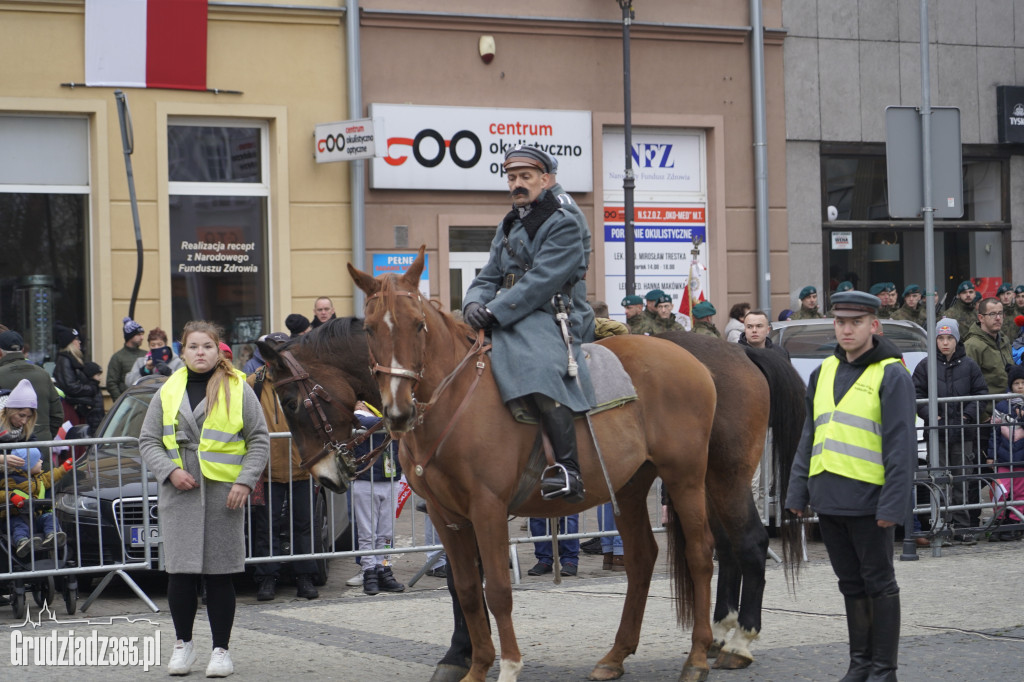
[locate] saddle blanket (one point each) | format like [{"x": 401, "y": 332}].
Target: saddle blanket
[{"x": 613, "y": 387}]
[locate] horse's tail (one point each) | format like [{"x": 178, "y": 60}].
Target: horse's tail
[
  {"x": 788, "y": 411},
  {"x": 682, "y": 579}
]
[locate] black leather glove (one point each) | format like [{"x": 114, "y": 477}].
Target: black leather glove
[
  {"x": 479, "y": 317},
  {"x": 162, "y": 368}
]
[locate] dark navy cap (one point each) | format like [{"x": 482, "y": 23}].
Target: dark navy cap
[
  {"x": 854, "y": 304},
  {"x": 632, "y": 299},
  {"x": 807, "y": 291}
]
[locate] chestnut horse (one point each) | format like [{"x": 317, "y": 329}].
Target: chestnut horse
[{"x": 466, "y": 455}]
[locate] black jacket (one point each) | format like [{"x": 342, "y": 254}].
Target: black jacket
[
  {"x": 830, "y": 493},
  {"x": 958, "y": 376},
  {"x": 69, "y": 375}
]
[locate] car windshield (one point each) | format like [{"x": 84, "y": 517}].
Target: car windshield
[
  {"x": 127, "y": 420},
  {"x": 819, "y": 340}
]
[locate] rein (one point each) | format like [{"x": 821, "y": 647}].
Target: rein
[{"x": 315, "y": 393}]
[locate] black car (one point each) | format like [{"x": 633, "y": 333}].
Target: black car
[{"x": 104, "y": 509}]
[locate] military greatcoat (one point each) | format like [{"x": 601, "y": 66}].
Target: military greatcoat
[{"x": 529, "y": 353}]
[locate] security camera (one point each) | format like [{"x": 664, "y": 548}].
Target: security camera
[{"x": 833, "y": 213}]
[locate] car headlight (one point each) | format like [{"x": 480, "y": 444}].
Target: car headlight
[{"x": 71, "y": 503}]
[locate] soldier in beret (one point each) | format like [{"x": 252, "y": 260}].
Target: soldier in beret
[
  {"x": 537, "y": 256},
  {"x": 912, "y": 309},
  {"x": 1006, "y": 296},
  {"x": 702, "y": 324},
  {"x": 808, "y": 309},
  {"x": 962, "y": 309},
  {"x": 635, "y": 318},
  {"x": 666, "y": 321},
  {"x": 854, "y": 467},
  {"x": 1018, "y": 296},
  {"x": 886, "y": 293},
  {"x": 651, "y": 300}
]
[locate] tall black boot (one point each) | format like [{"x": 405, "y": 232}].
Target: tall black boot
[
  {"x": 885, "y": 637},
  {"x": 562, "y": 480},
  {"x": 858, "y": 623}
]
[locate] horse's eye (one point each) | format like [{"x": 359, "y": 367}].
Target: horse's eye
[{"x": 290, "y": 404}]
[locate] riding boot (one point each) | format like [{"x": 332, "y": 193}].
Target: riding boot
[
  {"x": 885, "y": 637},
  {"x": 858, "y": 623},
  {"x": 561, "y": 480}
]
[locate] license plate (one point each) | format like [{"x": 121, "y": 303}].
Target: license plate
[{"x": 136, "y": 535}]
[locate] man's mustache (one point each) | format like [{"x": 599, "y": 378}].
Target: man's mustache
[{"x": 520, "y": 190}]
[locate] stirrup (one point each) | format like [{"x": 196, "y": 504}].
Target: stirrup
[{"x": 565, "y": 488}]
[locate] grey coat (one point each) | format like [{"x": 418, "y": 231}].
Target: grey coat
[
  {"x": 529, "y": 353},
  {"x": 579, "y": 292},
  {"x": 200, "y": 534}
]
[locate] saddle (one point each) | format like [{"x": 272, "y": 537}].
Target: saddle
[{"x": 613, "y": 388}]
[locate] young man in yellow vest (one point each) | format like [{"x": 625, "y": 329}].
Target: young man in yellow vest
[{"x": 855, "y": 467}]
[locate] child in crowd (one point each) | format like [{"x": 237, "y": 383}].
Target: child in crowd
[
  {"x": 25, "y": 479},
  {"x": 1006, "y": 447},
  {"x": 373, "y": 502}
]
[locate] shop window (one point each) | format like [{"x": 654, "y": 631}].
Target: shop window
[
  {"x": 864, "y": 245},
  {"x": 218, "y": 223},
  {"x": 44, "y": 208}
]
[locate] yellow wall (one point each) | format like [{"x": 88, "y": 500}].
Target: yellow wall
[{"x": 289, "y": 65}]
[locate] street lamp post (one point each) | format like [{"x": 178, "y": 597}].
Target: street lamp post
[{"x": 627, "y": 178}]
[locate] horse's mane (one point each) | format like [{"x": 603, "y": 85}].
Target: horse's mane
[{"x": 342, "y": 338}]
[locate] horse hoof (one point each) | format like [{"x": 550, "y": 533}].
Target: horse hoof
[
  {"x": 606, "y": 671},
  {"x": 728, "y": 660},
  {"x": 692, "y": 674},
  {"x": 714, "y": 649},
  {"x": 446, "y": 672}
]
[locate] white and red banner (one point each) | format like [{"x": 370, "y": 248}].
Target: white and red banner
[{"x": 146, "y": 43}]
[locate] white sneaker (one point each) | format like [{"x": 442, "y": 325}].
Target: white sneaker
[
  {"x": 220, "y": 664},
  {"x": 182, "y": 658},
  {"x": 356, "y": 580}
]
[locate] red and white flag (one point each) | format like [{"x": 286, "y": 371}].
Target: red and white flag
[
  {"x": 693, "y": 292},
  {"x": 146, "y": 43},
  {"x": 62, "y": 433}
]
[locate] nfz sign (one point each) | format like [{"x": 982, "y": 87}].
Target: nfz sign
[{"x": 1010, "y": 110}]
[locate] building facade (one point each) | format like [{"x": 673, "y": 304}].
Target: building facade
[
  {"x": 239, "y": 224},
  {"x": 845, "y": 62}
]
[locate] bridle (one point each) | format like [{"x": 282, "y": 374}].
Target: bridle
[
  {"x": 315, "y": 394},
  {"x": 479, "y": 348}
]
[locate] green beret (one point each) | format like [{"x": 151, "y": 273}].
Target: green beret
[
  {"x": 632, "y": 299},
  {"x": 888, "y": 286},
  {"x": 807, "y": 291},
  {"x": 845, "y": 285},
  {"x": 911, "y": 289},
  {"x": 654, "y": 294},
  {"x": 664, "y": 298},
  {"x": 877, "y": 288},
  {"x": 1019, "y": 289},
  {"x": 964, "y": 286},
  {"x": 1004, "y": 288},
  {"x": 703, "y": 309}
]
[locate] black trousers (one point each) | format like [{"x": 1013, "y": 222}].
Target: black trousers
[
  {"x": 861, "y": 554},
  {"x": 271, "y": 519},
  {"x": 183, "y": 600}
]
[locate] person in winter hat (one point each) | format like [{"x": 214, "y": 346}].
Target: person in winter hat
[
  {"x": 297, "y": 324},
  {"x": 70, "y": 376},
  {"x": 18, "y": 415},
  {"x": 123, "y": 361}
]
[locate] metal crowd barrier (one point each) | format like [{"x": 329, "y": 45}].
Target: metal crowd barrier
[{"x": 953, "y": 486}]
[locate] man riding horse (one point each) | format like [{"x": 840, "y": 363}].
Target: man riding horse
[{"x": 524, "y": 297}]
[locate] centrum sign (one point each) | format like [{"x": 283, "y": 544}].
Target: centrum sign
[
  {"x": 462, "y": 148},
  {"x": 345, "y": 141}
]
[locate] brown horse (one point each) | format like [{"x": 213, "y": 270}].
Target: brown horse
[{"x": 466, "y": 455}]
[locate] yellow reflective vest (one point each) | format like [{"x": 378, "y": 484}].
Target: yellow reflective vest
[
  {"x": 221, "y": 446},
  {"x": 848, "y": 436}
]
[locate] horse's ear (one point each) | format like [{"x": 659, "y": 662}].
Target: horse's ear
[
  {"x": 412, "y": 275},
  {"x": 364, "y": 281},
  {"x": 268, "y": 351}
]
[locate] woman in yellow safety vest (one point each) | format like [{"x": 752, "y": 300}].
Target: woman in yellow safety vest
[{"x": 205, "y": 441}]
